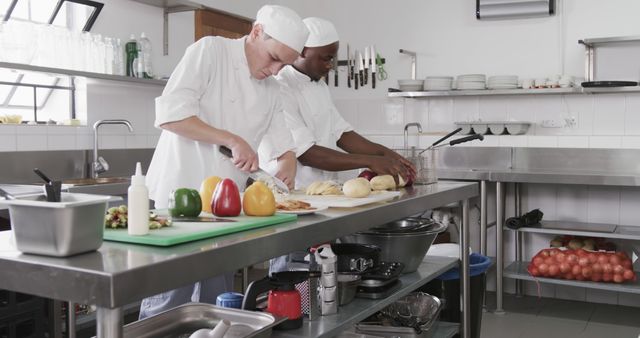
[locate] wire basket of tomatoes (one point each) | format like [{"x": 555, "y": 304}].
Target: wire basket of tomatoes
[{"x": 582, "y": 265}]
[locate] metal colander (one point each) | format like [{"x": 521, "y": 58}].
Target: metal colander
[{"x": 417, "y": 310}]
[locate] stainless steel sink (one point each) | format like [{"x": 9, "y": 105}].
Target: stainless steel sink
[{"x": 97, "y": 181}]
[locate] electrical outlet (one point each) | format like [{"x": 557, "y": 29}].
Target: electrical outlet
[
  {"x": 571, "y": 121},
  {"x": 553, "y": 123}
]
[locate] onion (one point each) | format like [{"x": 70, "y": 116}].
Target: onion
[
  {"x": 568, "y": 276},
  {"x": 627, "y": 264},
  {"x": 560, "y": 257},
  {"x": 607, "y": 277},
  {"x": 581, "y": 252},
  {"x": 597, "y": 268},
  {"x": 572, "y": 259},
  {"x": 554, "y": 270},
  {"x": 564, "y": 267},
  {"x": 618, "y": 270},
  {"x": 533, "y": 271},
  {"x": 615, "y": 260},
  {"x": 537, "y": 261},
  {"x": 607, "y": 268},
  {"x": 618, "y": 278},
  {"x": 544, "y": 269},
  {"x": 583, "y": 261},
  {"x": 549, "y": 261},
  {"x": 603, "y": 258},
  {"x": 368, "y": 174},
  {"x": 628, "y": 274},
  {"x": 596, "y": 277},
  {"x": 576, "y": 270},
  {"x": 587, "y": 272},
  {"x": 592, "y": 257}
]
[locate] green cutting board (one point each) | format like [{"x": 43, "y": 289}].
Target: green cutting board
[{"x": 182, "y": 232}]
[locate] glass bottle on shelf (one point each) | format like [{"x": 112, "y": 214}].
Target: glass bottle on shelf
[{"x": 109, "y": 57}]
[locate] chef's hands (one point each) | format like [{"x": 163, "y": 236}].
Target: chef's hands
[
  {"x": 287, "y": 166},
  {"x": 244, "y": 158},
  {"x": 385, "y": 165},
  {"x": 411, "y": 168}
]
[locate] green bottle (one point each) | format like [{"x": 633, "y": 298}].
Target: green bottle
[{"x": 131, "y": 50}]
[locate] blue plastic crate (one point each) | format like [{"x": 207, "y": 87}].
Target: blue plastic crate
[{"x": 477, "y": 264}]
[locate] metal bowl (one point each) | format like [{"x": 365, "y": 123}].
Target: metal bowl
[
  {"x": 347, "y": 287},
  {"x": 408, "y": 248}
]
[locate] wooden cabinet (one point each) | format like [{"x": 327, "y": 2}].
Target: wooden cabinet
[{"x": 211, "y": 22}]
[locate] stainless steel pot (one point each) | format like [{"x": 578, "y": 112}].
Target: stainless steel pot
[
  {"x": 406, "y": 247},
  {"x": 347, "y": 287}
]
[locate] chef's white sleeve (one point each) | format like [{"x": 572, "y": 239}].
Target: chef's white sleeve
[
  {"x": 180, "y": 98},
  {"x": 277, "y": 139},
  {"x": 303, "y": 136},
  {"x": 339, "y": 125}
]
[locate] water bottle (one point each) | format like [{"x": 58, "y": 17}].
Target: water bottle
[
  {"x": 131, "y": 50},
  {"x": 145, "y": 59},
  {"x": 118, "y": 58}
]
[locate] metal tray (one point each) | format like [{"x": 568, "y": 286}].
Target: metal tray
[{"x": 183, "y": 320}]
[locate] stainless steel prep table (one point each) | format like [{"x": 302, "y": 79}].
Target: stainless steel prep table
[{"x": 118, "y": 274}]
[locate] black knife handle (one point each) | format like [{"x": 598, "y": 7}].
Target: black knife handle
[
  {"x": 355, "y": 80},
  {"x": 361, "y": 78},
  {"x": 348, "y": 79},
  {"x": 467, "y": 139},
  {"x": 446, "y": 137},
  {"x": 225, "y": 151},
  {"x": 335, "y": 77},
  {"x": 373, "y": 80}
]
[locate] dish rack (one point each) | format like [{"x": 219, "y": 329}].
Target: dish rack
[{"x": 425, "y": 162}]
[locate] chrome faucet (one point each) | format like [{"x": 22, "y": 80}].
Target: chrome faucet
[
  {"x": 414, "y": 63},
  {"x": 99, "y": 164},
  {"x": 406, "y": 137}
]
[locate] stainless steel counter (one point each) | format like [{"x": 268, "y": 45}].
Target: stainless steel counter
[
  {"x": 542, "y": 176},
  {"x": 118, "y": 274}
]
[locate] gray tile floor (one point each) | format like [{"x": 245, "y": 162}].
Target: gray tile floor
[{"x": 532, "y": 317}]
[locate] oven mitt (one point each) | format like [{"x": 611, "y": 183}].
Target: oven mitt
[{"x": 532, "y": 218}]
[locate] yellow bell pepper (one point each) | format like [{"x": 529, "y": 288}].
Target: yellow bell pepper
[
  {"x": 207, "y": 187},
  {"x": 258, "y": 200}
]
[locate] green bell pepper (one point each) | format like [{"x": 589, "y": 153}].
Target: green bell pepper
[{"x": 185, "y": 202}]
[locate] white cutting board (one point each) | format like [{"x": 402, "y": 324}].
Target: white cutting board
[{"x": 341, "y": 201}]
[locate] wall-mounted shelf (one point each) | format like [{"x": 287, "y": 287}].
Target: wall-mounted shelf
[
  {"x": 489, "y": 92},
  {"x": 584, "y": 229},
  {"x": 60, "y": 71}
]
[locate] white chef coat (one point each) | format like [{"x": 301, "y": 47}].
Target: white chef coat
[
  {"x": 311, "y": 117},
  {"x": 213, "y": 82}
]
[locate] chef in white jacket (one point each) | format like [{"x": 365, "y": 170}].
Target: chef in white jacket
[
  {"x": 222, "y": 93},
  {"x": 318, "y": 129}
]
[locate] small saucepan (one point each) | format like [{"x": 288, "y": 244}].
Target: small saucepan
[{"x": 356, "y": 258}]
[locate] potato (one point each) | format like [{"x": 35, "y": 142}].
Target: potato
[
  {"x": 357, "y": 187},
  {"x": 575, "y": 244},
  {"x": 383, "y": 182}
]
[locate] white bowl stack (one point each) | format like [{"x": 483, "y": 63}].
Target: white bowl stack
[
  {"x": 503, "y": 82},
  {"x": 408, "y": 85},
  {"x": 471, "y": 82},
  {"x": 438, "y": 83}
]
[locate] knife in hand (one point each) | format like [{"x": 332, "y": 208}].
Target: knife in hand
[{"x": 256, "y": 175}]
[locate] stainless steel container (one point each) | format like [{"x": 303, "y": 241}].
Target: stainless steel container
[
  {"x": 406, "y": 247},
  {"x": 394, "y": 331},
  {"x": 347, "y": 287},
  {"x": 182, "y": 321},
  {"x": 72, "y": 226}
]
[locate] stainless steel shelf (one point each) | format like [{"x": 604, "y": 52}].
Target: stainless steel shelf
[
  {"x": 518, "y": 270},
  {"x": 360, "y": 309},
  {"x": 488, "y": 92},
  {"x": 446, "y": 330},
  {"x": 585, "y": 229},
  {"x": 120, "y": 78},
  {"x": 547, "y": 91},
  {"x": 614, "y": 39}
]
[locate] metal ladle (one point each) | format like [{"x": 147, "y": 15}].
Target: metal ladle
[{"x": 456, "y": 141}]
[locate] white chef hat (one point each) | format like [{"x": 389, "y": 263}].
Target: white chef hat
[
  {"x": 284, "y": 25},
  {"x": 321, "y": 32}
]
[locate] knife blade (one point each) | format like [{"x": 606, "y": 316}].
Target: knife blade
[
  {"x": 374, "y": 66},
  {"x": 361, "y": 68},
  {"x": 366, "y": 65},
  {"x": 356, "y": 67},
  {"x": 348, "y": 68},
  {"x": 256, "y": 175},
  {"x": 199, "y": 219}
]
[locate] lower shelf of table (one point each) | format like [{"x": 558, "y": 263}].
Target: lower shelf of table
[
  {"x": 518, "y": 270},
  {"x": 360, "y": 309}
]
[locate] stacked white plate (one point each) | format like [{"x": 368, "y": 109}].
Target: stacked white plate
[
  {"x": 438, "y": 83},
  {"x": 471, "y": 82},
  {"x": 503, "y": 82}
]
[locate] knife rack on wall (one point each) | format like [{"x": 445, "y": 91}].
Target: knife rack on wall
[{"x": 364, "y": 67}]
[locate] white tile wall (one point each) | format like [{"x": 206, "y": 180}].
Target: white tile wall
[
  {"x": 30, "y": 142},
  {"x": 603, "y": 205},
  {"x": 632, "y": 115},
  {"x": 573, "y": 141},
  {"x": 609, "y": 114}
]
